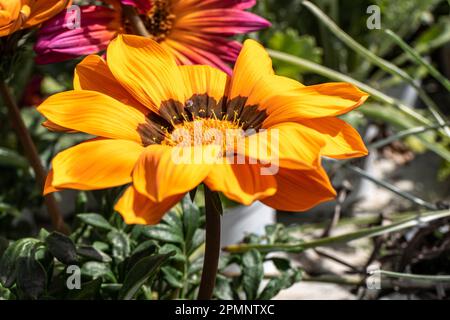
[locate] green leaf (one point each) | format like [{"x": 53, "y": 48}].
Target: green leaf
[
  {"x": 88, "y": 291},
  {"x": 173, "y": 220},
  {"x": 163, "y": 232},
  {"x": 291, "y": 42},
  {"x": 195, "y": 267},
  {"x": 120, "y": 244},
  {"x": 62, "y": 247},
  {"x": 81, "y": 202},
  {"x": 31, "y": 277},
  {"x": 143, "y": 250},
  {"x": 252, "y": 273},
  {"x": 145, "y": 269},
  {"x": 94, "y": 270},
  {"x": 10, "y": 158},
  {"x": 93, "y": 253},
  {"x": 191, "y": 221},
  {"x": 95, "y": 220},
  {"x": 173, "y": 276},
  {"x": 4, "y": 243},
  {"x": 197, "y": 240},
  {"x": 281, "y": 263},
  {"x": 43, "y": 234},
  {"x": 275, "y": 285},
  {"x": 223, "y": 289},
  {"x": 177, "y": 257},
  {"x": 8, "y": 262}
]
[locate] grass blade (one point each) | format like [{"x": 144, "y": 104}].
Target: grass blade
[{"x": 420, "y": 219}]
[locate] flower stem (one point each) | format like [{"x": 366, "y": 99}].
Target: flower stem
[
  {"x": 213, "y": 208},
  {"x": 136, "y": 23},
  {"x": 32, "y": 156}
]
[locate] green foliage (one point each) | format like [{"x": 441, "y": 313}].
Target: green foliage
[
  {"x": 249, "y": 283},
  {"x": 163, "y": 261},
  {"x": 290, "y": 41}
]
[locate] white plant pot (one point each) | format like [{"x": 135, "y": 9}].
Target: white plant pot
[{"x": 242, "y": 220}]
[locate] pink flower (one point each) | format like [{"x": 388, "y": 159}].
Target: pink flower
[{"x": 195, "y": 31}]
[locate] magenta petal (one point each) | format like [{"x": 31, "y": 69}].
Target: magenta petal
[
  {"x": 142, "y": 5},
  {"x": 203, "y": 57},
  {"x": 225, "y": 22},
  {"x": 231, "y": 4},
  {"x": 56, "y": 42},
  {"x": 226, "y": 49}
]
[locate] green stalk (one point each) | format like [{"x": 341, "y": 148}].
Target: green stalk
[
  {"x": 392, "y": 188},
  {"x": 420, "y": 219},
  {"x": 401, "y": 135},
  {"x": 417, "y": 58},
  {"x": 420, "y": 49},
  {"x": 420, "y": 277},
  {"x": 213, "y": 210}
]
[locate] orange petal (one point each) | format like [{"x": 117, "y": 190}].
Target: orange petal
[
  {"x": 297, "y": 103},
  {"x": 243, "y": 183},
  {"x": 145, "y": 70},
  {"x": 342, "y": 141},
  {"x": 93, "y": 74},
  {"x": 300, "y": 190},
  {"x": 95, "y": 164},
  {"x": 288, "y": 145},
  {"x": 55, "y": 128},
  {"x": 252, "y": 64},
  {"x": 48, "y": 187},
  {"x": 138, "y": 209},
  {"x": 44, "y": 10},
  {"x": 9, "y": 17},
  {"x": 94, "y": 113},
  {"x": 204, "y": 80},
  {"x": 161, "y": 173}
]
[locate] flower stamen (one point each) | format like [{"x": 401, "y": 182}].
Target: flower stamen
[{"x": 159, "y": 20}]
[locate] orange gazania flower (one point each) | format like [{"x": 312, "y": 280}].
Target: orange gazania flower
[
  {"x": 21, "y": 14},
  {"x": 136, "y": 101}
]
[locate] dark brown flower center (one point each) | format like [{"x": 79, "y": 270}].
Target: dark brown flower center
[
  {"x": 159, "y": 20},
  {"x": 199, "y": 119}
]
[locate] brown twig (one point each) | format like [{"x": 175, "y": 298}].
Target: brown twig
[
  {"x": 213, "y": 210},
  {"x": 337, "y": 260},
  {"x": 136, "y": 23},
  {"x": 32, "y": 156}
]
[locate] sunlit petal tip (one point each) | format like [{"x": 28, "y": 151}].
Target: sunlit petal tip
[
  {"x": 136, "y": 208},
  {"x": 158, "y": 176},
  {"x": 93, "y": 113},
  {"x": 95, "y": 164},
  {"x": 48, "y": 187},
  {"x": 300, "y": 190},
  {"x": 243, "y": 183},
  {"x": 342, "y": 141}
]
